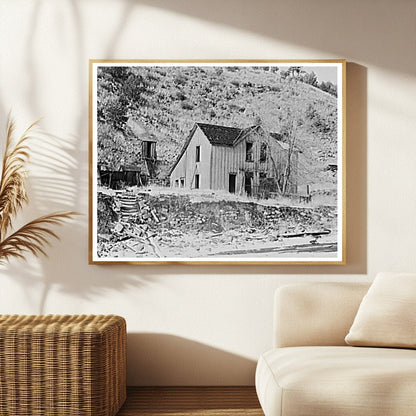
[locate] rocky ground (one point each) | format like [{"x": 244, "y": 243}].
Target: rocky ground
[{"x": 162, "y": 224}]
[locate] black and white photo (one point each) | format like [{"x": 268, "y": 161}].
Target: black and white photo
[{"x": 208, "y": 162}]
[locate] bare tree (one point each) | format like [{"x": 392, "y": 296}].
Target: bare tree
[
  {"x": 291, "y": 119},
  {"x": 291, "y": 135}
]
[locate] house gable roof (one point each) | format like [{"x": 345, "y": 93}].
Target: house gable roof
[
  {"x": 230, "y": 136},
  {"x": 278, "y": 137},
  {"x": 185, "y": 145},
  {"x": 220, "y": 135}
]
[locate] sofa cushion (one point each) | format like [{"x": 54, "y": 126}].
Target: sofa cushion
[
  {"x": 342, "y": 381},
  {"x": 315, "y": 314},
  {"x": 387, "y": 314}
]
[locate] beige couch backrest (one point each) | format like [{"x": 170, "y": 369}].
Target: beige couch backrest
[{"x": 315, "y": 313}]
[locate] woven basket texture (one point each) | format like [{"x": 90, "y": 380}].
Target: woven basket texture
[{"x": 56, "y": 365}]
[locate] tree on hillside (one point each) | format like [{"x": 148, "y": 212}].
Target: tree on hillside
[
  {"x": 290, "y": 132},
  {"x": 329, "y": 87},
  {"x": 298, "y": 74},
  {"x": 120, "y": 91},
  {"x": 310, "y": 78},
  {"x": 111, "y": 104}
]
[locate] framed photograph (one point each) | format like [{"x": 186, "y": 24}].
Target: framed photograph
[{"x": 208, "y": 162}]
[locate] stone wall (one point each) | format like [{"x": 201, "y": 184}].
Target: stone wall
[{"x": 179, "y": 212}]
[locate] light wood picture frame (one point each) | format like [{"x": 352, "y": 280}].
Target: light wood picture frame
[{"x": 217, "y": 161}]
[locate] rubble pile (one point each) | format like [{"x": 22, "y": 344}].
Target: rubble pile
[
  {"x": 106, "y": 215},
  {"x": 146, "y": 225}
]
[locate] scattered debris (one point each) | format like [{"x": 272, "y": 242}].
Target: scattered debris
[{"x": 142, "y": 224}]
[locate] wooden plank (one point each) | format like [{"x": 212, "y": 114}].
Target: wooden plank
[{"x": 195, "y": 401}]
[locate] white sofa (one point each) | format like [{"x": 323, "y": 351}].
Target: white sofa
[{"x": 311, "y": 371}]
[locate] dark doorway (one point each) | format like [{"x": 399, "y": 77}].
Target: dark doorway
[
  {"x": 231, "y": 182},
  {"x": 248, "y": 183},
  {"x": 149, "y": 150},
  {"x": 196, "y": 181}
]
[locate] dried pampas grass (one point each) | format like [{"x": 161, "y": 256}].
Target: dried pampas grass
[{"x": 34, "y": 236}]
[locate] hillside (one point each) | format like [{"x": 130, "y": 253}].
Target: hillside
[{"x": 164, "y": 103}]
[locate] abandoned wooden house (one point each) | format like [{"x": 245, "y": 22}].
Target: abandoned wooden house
[{"x": 247, "y": 161}]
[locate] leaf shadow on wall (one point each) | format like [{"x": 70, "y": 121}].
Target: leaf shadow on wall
[
  {"x": 338, "y": 28},
  {"x": 59, "y": 182},
  {"x": 53, "y": 187},
  {"x": 164, "y": 359}
]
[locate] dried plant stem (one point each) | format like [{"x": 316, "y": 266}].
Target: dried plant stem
[{"x": 34, "y": 236}]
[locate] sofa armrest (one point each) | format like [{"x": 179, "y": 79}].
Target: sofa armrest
[{"x": 309, "y": 314}]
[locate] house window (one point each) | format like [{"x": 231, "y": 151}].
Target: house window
[
  {"x": 249, "y": 152},
  {"x": 263, "y": 152},
  {"x": 197, "y": 181},
  {"x": 198, "y": 154},
  {"x": 182, "y": 182},
  {"x": 177, "y": 183}
]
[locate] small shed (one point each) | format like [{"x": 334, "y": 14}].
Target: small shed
[{"x": 128, "y": 175}]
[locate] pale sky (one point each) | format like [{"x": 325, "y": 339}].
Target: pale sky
[{"x": 324, "y": 73}]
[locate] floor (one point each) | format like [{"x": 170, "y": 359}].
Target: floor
[{"x": 187, "y": 401}]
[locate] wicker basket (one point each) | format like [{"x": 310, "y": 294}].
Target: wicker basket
[{"x": 72, "y": 365}]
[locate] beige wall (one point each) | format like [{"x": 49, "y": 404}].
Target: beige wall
[{"x": 197, "y": 324}]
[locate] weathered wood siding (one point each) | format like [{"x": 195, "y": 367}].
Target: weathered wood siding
[
  {"x": 226, "y": 160},
  {"x": 188, "y": 167}
]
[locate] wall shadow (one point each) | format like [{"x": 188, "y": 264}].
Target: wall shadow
[
  {"x": 57, "y": 181},
  {"x": 356, "y": 169},
  {"x": 335, "y": 27},
  {"x": 169, "y": 360},
  {"x": 53, "y": 187}
]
